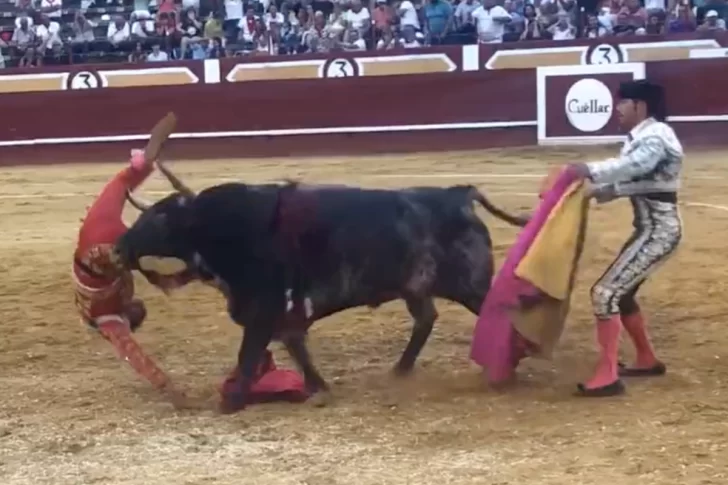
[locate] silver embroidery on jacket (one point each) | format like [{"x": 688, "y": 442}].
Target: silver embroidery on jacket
[{"x": 650, "y": 162}]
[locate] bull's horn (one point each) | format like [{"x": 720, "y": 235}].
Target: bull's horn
[
  {"x": 137, "y": 203},
  {"x": 176, "y": 182}
]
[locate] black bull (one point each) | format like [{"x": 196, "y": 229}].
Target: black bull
[{"x": 287, "y": 255}]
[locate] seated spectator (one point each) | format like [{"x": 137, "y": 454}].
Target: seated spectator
[
  {"x": 408, "y": 15},
  {"x": 304, "y": 19},
  {"x": 291, "y": 36},
  {"x": 533, "y": 29},
  {"x": 137, "y": 55},
  {"x": 188, "y": 4},
  {"x": 409, "y": 38},
  {"x": 165, "y": 31},
  {"x": 52, "y": 8},
  {"x": 213, "y": 27},
  {"x": 142, "y": 25},
  {"x": 83, "y": 30},
  {"x": 23, "y": 39},
  {"x": 358, "y": 17},
  {"x": 263, "y": 44},
  {"x": 24, "y": 15},
  {"x": 569, "y": 7},
  {"x": 24, "y": 5},
  {"x": 157, "y": 54},
  {"x": 563, "y": 29},
  {"x": 382, "y": 17},
  {"x": 318, "y": 38},
  {"x": 273, "y": 16},
  {"x": 118, "y": 32},
  {"x": 684, "y": 21},
  {"x": 463, "y": 16},
  {"x": 548, "y": 15},
  {"x": 199, "y": 49},
  {"x": 594, "y": 28},
  {"x": 353, "y": 40},
  {"x": 56, "y": 56},
  {"x": 191, "y": 30},
  {"x": 712, "y": 23},
  {"x": 167, "y": 7},
  {"x": 3, "y": 46},
  {"x": 336, "y": 23},
  {"x": 703, "y": 7},
  {"x": 47, "y": 34},
  {"x": 290, "y": 15},
  {"x": 215, "y": 50},
  {"x": 246, "y": 27},
  {"x": 655, "y": 25},
  {"x": 656, "y": 7},
  {"x": 630, "y": 18},
  {"x": 387, "y": 40},
  {"x": 514, "y": 28},
  {"x": 608, "y": 17},
  {"x": 490, "y": 20},
  {"x": 30, "y": 58}
]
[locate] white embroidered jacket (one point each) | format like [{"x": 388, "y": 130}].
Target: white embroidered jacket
[{"x": 650, "y": 161}]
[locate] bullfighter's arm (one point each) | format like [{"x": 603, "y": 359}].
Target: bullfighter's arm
[{"x": 640, "y": 160}]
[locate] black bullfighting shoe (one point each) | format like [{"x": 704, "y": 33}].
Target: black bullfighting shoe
[
  {"x": 616, "y": 388},
  {"x": 659, "y": 369}
]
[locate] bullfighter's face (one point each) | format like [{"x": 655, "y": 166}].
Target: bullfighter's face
[
  {"x": 630, "y": 113},
  {"x": 157, "y": 243}
]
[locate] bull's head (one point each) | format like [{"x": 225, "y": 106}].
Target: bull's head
[{"x": 158, "y": 244}]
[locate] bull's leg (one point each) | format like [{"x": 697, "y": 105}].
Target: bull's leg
[
  {"x": 424, "y": 313},
  {"x": 315, "y": 384},
  {"x": 252, "y": 350}
]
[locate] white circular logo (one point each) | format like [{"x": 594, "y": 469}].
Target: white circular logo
[
  {"x": 340, "y": 68},
  {"x": 604, "y": 54},
  {"x": 588, "y": 105},
  {"x": 84, "y": 80}
]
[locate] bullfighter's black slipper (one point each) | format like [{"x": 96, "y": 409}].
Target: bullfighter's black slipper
[
  {"x": 616, "y": 388},
  {"x": 658, "y": 369}
]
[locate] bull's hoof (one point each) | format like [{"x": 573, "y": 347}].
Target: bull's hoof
[
  {"x": 321, "y": 399},
  {"x": 231, "y": 404},
  {"x": 400, "y": 370},
  {"x": 616, "y": 388},
  {"x": 659, "y": 369}
]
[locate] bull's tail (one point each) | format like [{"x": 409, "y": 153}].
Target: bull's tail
[{"x": 476, "y": 195}]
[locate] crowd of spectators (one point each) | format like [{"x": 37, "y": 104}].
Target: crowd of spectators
[{"x": 36, "y": 32}]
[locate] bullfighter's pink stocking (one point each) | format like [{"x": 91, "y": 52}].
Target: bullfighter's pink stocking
[
  {"x": 608, "y": 339},
  {"x": 634, "y": 324},
  {"x": 117, "y": 333}
]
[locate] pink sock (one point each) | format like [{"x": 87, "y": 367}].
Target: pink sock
[
  {"x": 608, "y": 339},
  {"x": 634, "y": 324}
]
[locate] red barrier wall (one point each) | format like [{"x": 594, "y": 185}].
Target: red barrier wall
[{"x": 449, "y": 98}]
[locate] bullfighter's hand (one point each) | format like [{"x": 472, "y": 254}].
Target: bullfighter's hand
[
  {"x": 548, "y": 181},
  {"x": 601, "y": 193}
]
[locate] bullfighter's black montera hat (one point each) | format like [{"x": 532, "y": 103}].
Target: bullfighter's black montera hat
[{"x": 651, "y": 93}]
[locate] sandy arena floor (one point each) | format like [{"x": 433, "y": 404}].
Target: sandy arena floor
[{"x": 70, "y": 413}]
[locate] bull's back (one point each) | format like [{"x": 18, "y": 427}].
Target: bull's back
[{"x": 372, "y": 236}]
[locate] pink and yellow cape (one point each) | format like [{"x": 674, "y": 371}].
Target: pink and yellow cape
[{"x": 527, "y": 304}]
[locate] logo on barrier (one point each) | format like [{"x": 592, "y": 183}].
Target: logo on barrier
[
  {"x": 604, "y": 54},
  {"x": 83, "y": 80},
  {"x": 588, "y": 105}
]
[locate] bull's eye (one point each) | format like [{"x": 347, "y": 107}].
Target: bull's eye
[{"x": 164, "y": 266}]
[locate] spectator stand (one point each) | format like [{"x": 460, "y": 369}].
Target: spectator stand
[{"x": 57, "y": 32}]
